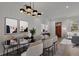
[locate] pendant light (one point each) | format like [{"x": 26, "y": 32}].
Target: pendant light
[
  {"x": 29, "y": 13},
  {"x": 29, "y": 10},
  {"x": 39, "y": 14},
  {"x": 34, "y": 13},
  {"x": 22, "y": 10}
]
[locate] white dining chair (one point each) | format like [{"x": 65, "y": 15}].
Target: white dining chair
[
  {"x": 6, "y": 48},
  {"x": 1, "y": 49},
  {"x": 55, "y": 42},
  {"x": 48, "y": 46},
  {"x": 34, "y": 49}
]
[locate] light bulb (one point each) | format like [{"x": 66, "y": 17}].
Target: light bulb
[
  {"x": 35, "y": 12},
  {"x": 21, "y": 11}
]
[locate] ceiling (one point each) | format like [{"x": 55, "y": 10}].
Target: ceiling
[{"x": 50, "y": 10}]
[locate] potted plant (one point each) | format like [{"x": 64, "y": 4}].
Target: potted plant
[{"x": 32, "y": 31}]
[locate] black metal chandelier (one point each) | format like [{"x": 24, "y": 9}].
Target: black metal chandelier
[{"x": 29, "y": 10}]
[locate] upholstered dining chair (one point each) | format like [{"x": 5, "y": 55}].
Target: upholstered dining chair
[
  {"x": 55, "y": 42},
  {"x": 1, "y": 49},
  {"x": 7, "y": 48},
  {"x": 48, "y": 46}
]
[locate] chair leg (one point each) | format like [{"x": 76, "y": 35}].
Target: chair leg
[
  {"x": 41, "y": 54},
  {"x": 48, "y": 51},
  {"x": 4, "y": 52},
  {"x": 17, "y": 49},
  {"x": 52, "y": 51},
  {"x": 54, "y": 48},
  {"x": 7, "y": 51},
  {"x": 43, "y": 51},
  {"x": 13, "y": 50}
]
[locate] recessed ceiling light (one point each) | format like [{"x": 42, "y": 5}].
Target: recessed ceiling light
[{"x": 67, "y": 6}]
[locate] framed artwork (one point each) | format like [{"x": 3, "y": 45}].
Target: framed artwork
[
  {"x": 23, "y": 26},
  {"x": 74, "y": 27},
  {"x": 10, "y": 25}
]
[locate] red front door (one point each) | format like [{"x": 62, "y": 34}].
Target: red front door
[{"x": 58, "y": 30}]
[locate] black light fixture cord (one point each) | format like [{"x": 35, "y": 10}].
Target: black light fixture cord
[
  {"x": 30, "y": 4},
  {"x": 33, "y": 5}
]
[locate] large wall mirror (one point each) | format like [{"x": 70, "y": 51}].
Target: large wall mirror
[
  {"x": 23, "y": 26},
  {"x": 11, "y": 25}
]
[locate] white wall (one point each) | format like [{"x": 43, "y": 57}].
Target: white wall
[{"x": 52, "y": 27}]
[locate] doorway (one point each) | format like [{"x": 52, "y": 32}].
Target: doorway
[{"x": 58, "y": 29}]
